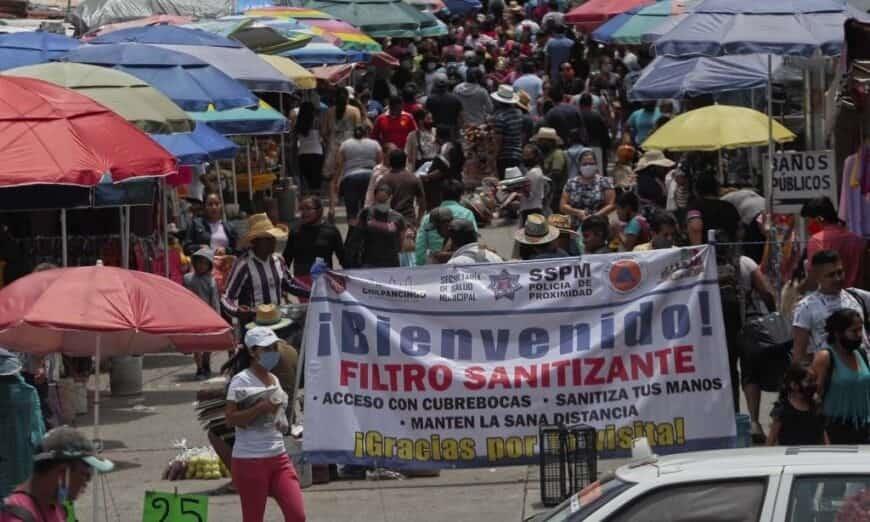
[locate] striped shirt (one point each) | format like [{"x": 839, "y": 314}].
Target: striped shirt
[
  {"x": 508, "y": 123},
  {"x": 254, "y": 282}
]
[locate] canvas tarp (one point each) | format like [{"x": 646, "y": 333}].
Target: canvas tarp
[{"x": 91, "y": 14}]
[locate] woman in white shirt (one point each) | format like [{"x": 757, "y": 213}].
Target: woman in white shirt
[
  {"x": 309, "y": 146},
  {"x": 260, "y": 465}
]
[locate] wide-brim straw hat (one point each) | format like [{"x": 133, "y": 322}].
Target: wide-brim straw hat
[
  {"x": 524, "y": 101},
  {"x": 653, "y": 158},
  {"x": 536, "y": 231},
  {"x": 259, "y": 225},
  {"x": 548, "y": 134},
  {"x": 505, "y": 94},
  {"x": 563, "y": 223},
  {"x": 269, "y": 315}
]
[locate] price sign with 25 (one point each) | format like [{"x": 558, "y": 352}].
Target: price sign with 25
[{"x": 171, "y": 507}]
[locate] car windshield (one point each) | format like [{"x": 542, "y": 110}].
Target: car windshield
[{"x": 579, "y": 506}]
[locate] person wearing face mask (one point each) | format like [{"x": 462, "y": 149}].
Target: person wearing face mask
[
  {"x": 256, "y": 407},
  {"x": 589, "y": 194},
  {"x": 844, "y": 379},
  {"x": 63, "y": 464},
  {"x": 797, "y": 420},
  {"x": 642, "y": 121}
]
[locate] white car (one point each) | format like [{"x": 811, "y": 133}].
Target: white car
[{"x": 799, "y": 484}]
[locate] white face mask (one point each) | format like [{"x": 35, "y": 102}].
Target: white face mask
[{"x": 587, "y": 171}]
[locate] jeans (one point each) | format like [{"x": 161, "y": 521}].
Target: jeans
[{"x": 257, "y": 479}]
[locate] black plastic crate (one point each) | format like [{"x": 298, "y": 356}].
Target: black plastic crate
[{"x": 568, "y": 460}]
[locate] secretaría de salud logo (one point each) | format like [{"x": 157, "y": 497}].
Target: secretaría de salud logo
[
  {"x": 504, "y": 284},
  {"x": 624, "y": 275}
]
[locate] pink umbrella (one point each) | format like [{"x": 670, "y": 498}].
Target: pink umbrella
[
  {"x": 595, "y": 12},
  {"x": 150, "y": 20}
]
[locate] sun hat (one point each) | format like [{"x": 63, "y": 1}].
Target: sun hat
[
  {"x": 9, "y": 363},
  {"x": 524, "y": 101},
  {"x": 536, "y": 231},
  {"x": 505, "y": 94},
  {"x": 269, "y": 316},
  {"x": 259, "y": 225},
  {"x": 67, "y": 444},
  {"x": 547, "y": 133},
  {"x": 653, "y": 158},
  {"x": 513, "y": 173},
  {"x": 260, "y": 337},
  {"x": 563, "y": 223}
]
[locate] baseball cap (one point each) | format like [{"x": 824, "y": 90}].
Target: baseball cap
[
  {"x": 260, "y": 337},
  {"x": 66, "y": 444}
]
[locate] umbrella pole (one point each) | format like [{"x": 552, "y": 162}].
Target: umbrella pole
[
  {"x": 235, "y": 186},
  {"x": 772, "y": 240},
  {"x": 220, "y": 191},
  {"x": 165, "y": 229},
  {"x": 64, "y": 240},
  {"x": 283, "y": 159},
  {"x": 250, "y": 174},
  {"x": 719, "y": 162},
  {"x": 98, "y": 445}
]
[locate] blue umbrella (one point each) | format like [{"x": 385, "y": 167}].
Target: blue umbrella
[
  {"x": 31, "y": 48},
  {"x": 199, "y": 146},
  {"x": 166, "y": 35},
  {"x": 462, "y": 7},
  {"x": 783, "y": 27},
  {"x": 682, "y": 78},
  {"x": 188, "y": 81},
  {"x": 235, "y": 60},
  {"x": 606, "y": 30},
  {"x": 320, "y": 53}
]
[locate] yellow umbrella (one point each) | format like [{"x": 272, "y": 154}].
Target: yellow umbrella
[
  {"x": 301, "y": 76},
  {"x": 716, "y": 127}
]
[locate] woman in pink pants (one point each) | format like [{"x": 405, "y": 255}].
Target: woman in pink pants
[{"x": 261, "y": 467}]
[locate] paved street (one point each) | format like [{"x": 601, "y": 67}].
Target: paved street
[{"x": 139, "y": 433}]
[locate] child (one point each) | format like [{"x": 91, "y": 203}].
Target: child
[
  {"x": 202, "y": 283},
  {"x": 796, "y": 419}
]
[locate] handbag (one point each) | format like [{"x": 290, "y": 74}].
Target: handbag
[{"x": 767, "y": 343}]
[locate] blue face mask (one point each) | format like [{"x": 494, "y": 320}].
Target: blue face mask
[{"x": 269, "y": 360}]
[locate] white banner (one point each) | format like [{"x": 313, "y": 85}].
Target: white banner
[{"x": 444, "y": 365}]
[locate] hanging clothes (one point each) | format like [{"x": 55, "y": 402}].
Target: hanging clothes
[{"x": 854, "y": 208}]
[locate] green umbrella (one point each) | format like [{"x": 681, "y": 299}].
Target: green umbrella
[
  {"x": 381, "y": 18},
  {"x": 130, "y": 97},
  {"x": 647, "y": 19}
]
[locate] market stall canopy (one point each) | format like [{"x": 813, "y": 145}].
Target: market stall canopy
[
  {"x": 236, "y": 122},
  {"x": 678, "y": 78},
  {"x": 784, "y": 27},
  {"x": 255, "y": 34},
  {"x": 133, "y": 312},
  {"x": 91, "y": 14},
  {"x": 21, "y": 49},
  {"x": 319, "y": 53},
  {"x": 149, "y": 20},
  {"x": 302, "y": 77},
  {"x": 200, "y": 146},
  {"x": 52, "y": 135},
  {"x": 234, "y": 59},
  {"x": 640, "y": 25},
  {"x": 463, "y": 7},
  {"x": 382, "y": 18},
  {"x": 127, "y": 95},
  {"x": 595, "y": 12},
  {"x": 337, "y": 32},
  {"x": 188, "y": 81},
  {"x": 432, "y": 6},
  {"x": 716, "y": 127},
  {"x": 332, "y": 74}
]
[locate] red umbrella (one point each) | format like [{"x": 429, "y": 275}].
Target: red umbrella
[
  {"x": 91, "y": 309},
  {"x": 53, "y": 135},
  {"x": 595, "y": 12}
]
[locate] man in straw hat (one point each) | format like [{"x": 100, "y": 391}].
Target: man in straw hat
[
  {"x": 507, "y": 124},
  {"x": 260, "y": 276},
  {"x": 537, "y": 239},
  {"x": 554, "y": 163}
]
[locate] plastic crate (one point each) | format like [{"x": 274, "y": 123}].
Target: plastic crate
[{"x": 568, "y": 461}]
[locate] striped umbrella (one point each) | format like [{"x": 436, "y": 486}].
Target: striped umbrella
[{"x": 337, "y": 32}]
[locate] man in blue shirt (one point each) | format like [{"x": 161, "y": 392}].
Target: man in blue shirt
[
  {"x": 531, "y": 83},
  {"x": 642, "y": 121},
  {"x": 558, "y": 51}
]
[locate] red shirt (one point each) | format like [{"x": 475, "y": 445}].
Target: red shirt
[
  {"x": 850, "y": 247},
  {"x": 393, "y": 129},
  {"x": 50, "y": 514}
]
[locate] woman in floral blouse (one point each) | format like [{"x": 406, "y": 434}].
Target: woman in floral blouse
[{"x": 589, "y": 194}]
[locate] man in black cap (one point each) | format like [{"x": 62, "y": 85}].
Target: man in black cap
[
  {"x": 445, "y": 107},
  {"x": 63, "y": 465}
]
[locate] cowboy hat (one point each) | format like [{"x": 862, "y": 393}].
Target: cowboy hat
[
  {"x": 547, "y": 133},
  {"x": 524, "y": 101},
  {"x": 563, "y": 223},
  {"x": 269, "y": 316},
  {"x": 505, "y": 94},
  {"x": 653, "y": 158},
  {"x": 512, "y": 173},
  {"x": 536, "y": 231},
  {"x": 259, "y": 225}
]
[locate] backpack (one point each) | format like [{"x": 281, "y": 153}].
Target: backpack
[{"x": 731, "y": 292}]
